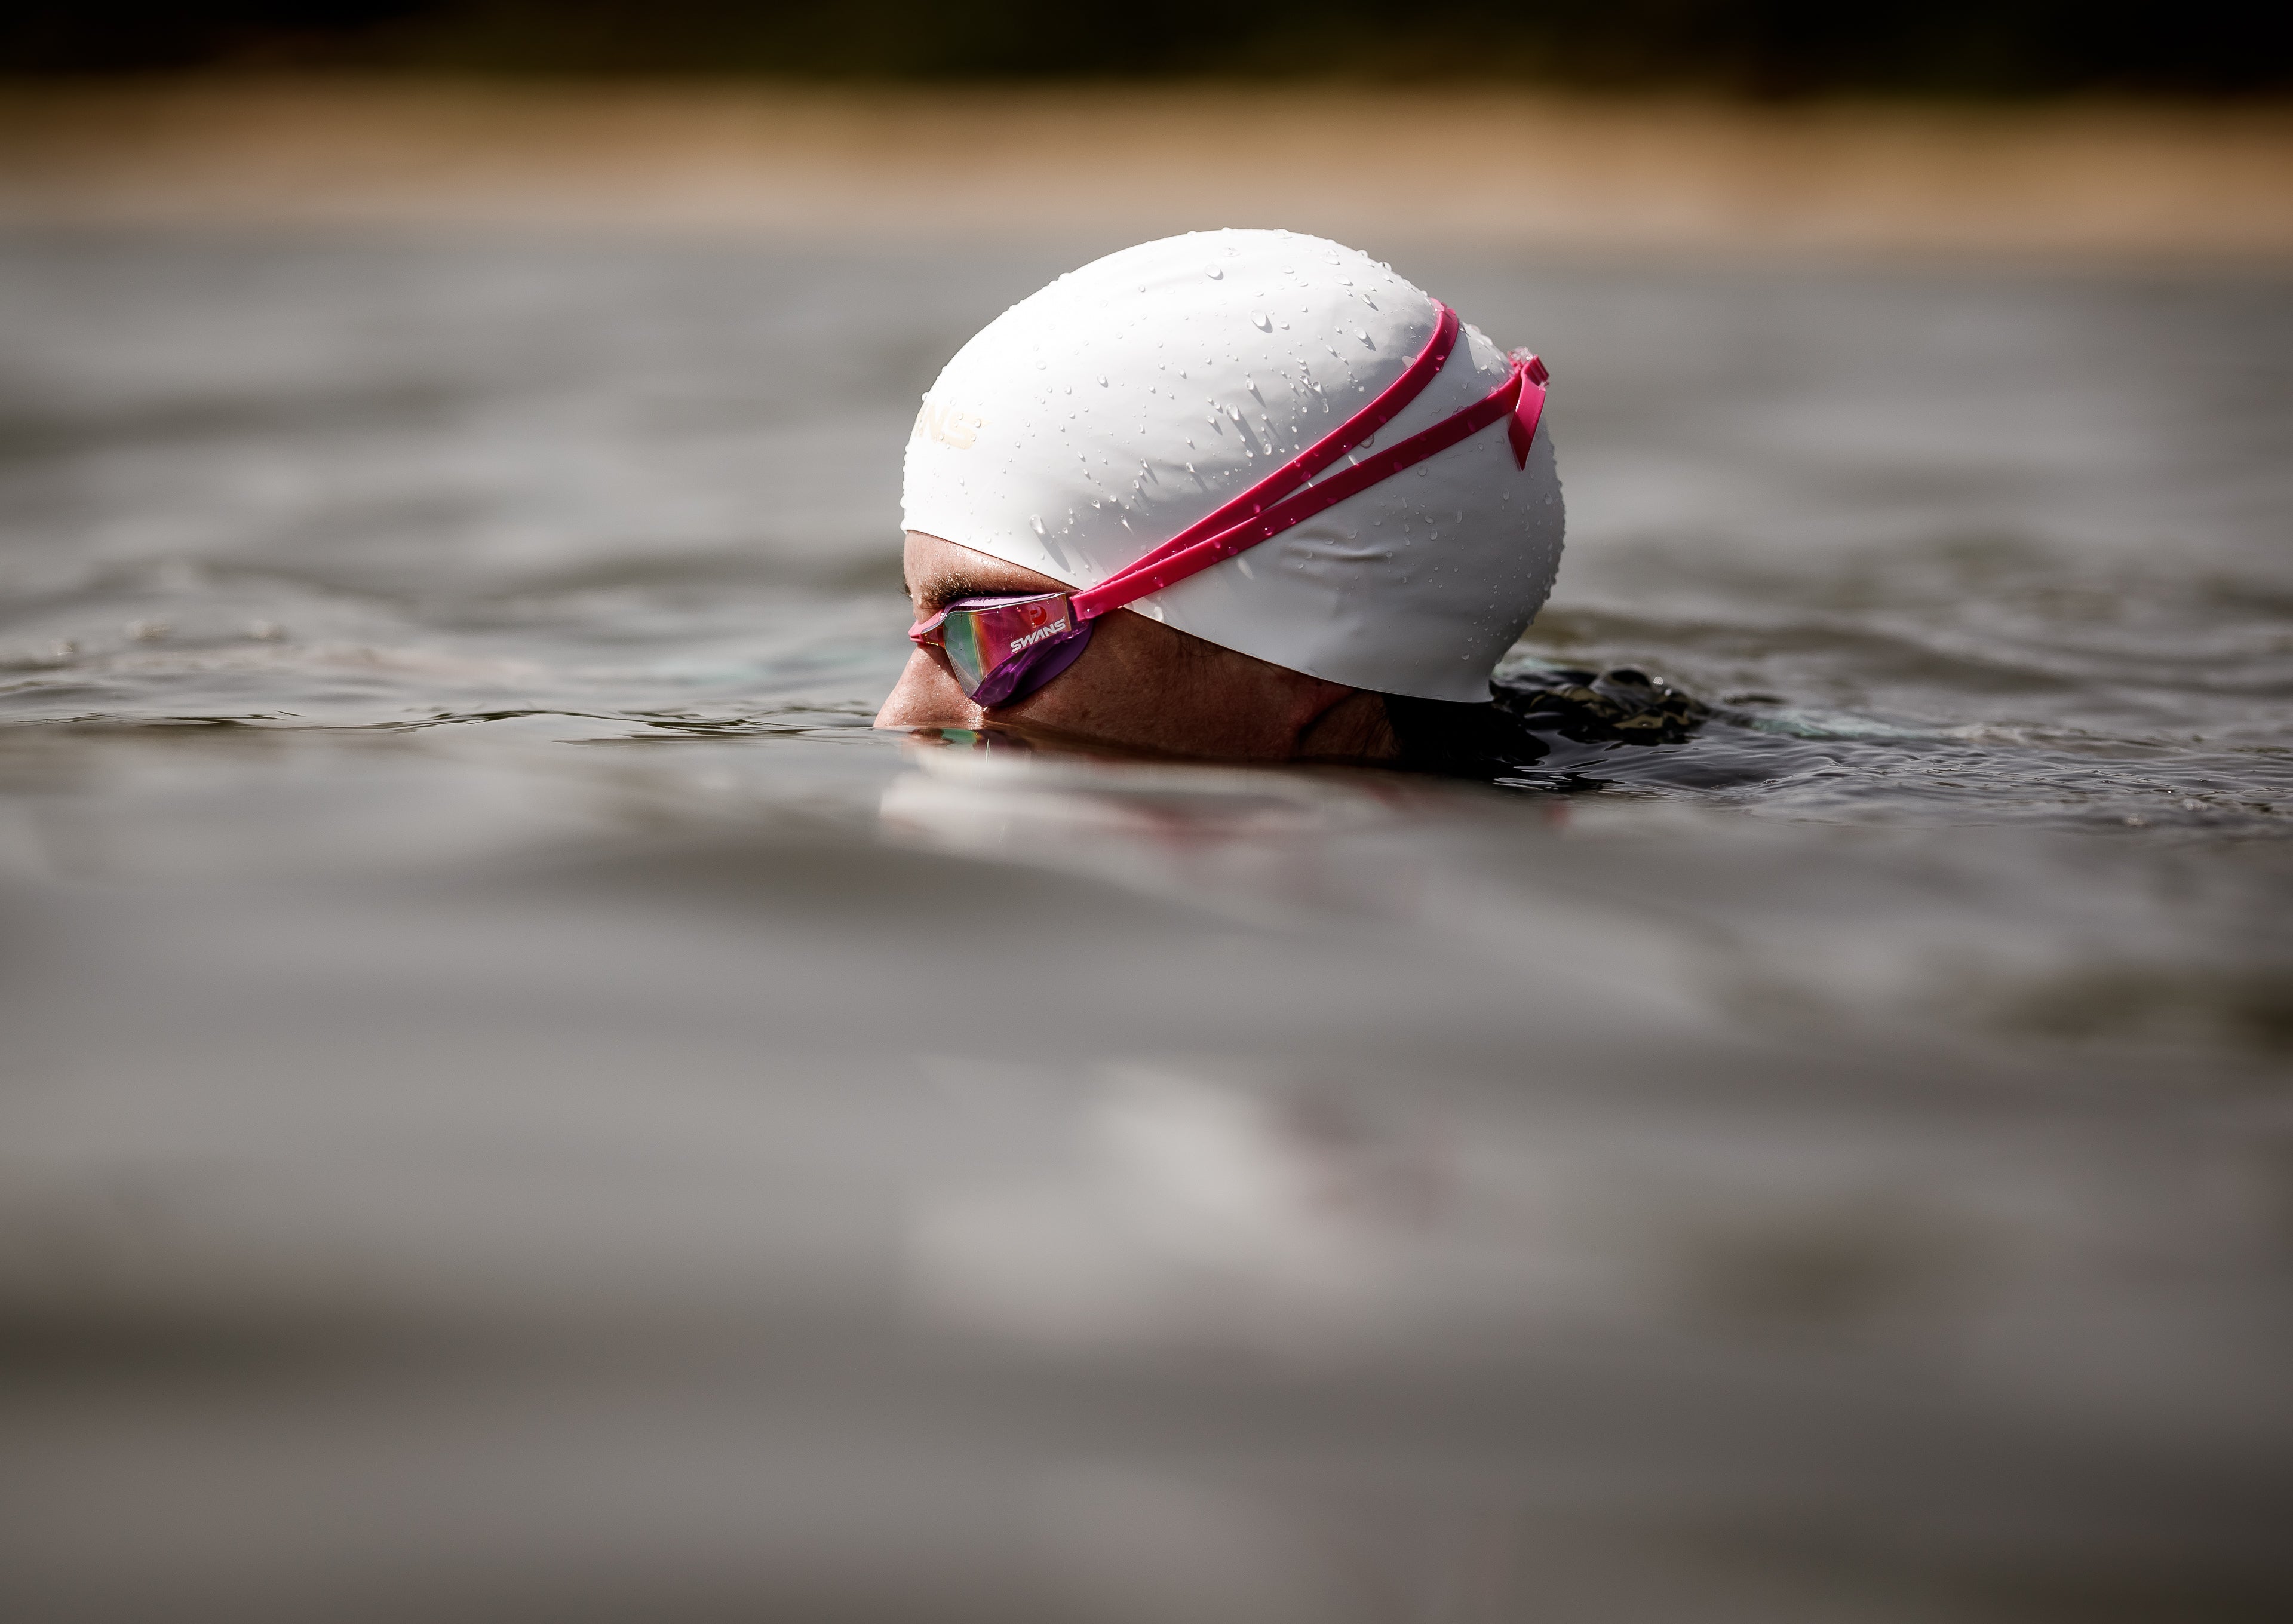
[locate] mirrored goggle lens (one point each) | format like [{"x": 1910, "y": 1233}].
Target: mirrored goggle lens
[
  {"x": 966, "y": 649},
  {"x": 983, "y": 638}
]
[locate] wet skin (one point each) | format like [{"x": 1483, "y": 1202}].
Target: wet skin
[{"x": 1140, "y": 685}]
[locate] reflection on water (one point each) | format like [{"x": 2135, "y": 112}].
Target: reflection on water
[{"x": 517, "y": 1100}]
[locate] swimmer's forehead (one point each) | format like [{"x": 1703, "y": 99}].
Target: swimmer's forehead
[{"x": 936, "y": 573}]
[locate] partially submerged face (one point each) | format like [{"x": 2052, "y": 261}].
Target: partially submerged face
[{"x": 1138, "y": 686}]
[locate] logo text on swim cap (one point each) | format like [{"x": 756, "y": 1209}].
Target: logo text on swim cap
[{"x": 957, "y": 430}]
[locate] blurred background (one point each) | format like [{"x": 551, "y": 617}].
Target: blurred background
[
  {"x": 513, "y": 1100},
  {"x": 1765, "y": 47}
]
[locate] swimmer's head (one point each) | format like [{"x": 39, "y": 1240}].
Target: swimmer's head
[{"x": 1175, "y": 402}]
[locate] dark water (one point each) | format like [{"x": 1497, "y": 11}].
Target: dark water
[{"x": 515, "y": 1101}]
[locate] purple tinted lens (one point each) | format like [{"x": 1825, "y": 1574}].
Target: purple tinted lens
[
  {"x": 1030, "y": 669},
  {"x": 1004, "y": 648}
]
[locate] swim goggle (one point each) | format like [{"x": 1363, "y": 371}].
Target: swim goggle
[{"x": 1004, "y": 647}]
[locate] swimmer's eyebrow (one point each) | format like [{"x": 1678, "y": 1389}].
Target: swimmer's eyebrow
[{"x": 940, "y": 590}]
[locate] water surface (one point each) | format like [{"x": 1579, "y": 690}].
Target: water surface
[{"x": 515, "y": 1099}]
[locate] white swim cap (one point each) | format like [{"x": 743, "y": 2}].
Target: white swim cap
[{"x": 1104, "y": 415}]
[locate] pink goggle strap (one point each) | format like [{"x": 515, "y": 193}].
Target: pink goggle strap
[
  {"x": 1382, "y": 410},
  {"x": 1275, "y": 503}
]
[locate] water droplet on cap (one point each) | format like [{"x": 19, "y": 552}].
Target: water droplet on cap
[
  {"x": 1263, "y": 322},
  {"x": 1036, "y": 519},
  {"x": 1214, "y": 274}
]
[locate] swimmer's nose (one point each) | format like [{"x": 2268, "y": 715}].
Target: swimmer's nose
[{"x": 926, "y": 696}]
